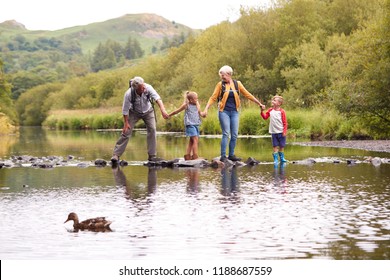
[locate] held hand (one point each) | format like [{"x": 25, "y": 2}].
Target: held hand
[
  {"x": 204, "y": 113},
  {"x": 262, "y": 106},
  {"x": 164, "y": 114}
]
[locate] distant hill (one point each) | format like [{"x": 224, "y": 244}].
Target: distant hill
[{"x": 149, "y": 29}]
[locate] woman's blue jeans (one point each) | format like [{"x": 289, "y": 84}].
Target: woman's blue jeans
[{"x": 229, "y": 121}]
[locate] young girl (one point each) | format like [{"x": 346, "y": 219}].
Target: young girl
[
  {"x": 277, "y": 127},
  {"x": 192, "y": 122}
]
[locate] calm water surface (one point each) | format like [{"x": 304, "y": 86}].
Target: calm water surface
[{"x": 324, "y": 210}]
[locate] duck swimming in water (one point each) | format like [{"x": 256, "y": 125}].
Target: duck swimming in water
[{"x": 94, "y": 224}]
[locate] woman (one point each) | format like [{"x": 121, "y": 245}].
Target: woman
[{"x": 227, "y": 93}]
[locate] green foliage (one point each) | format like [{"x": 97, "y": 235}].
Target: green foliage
[
  {"x": 111, "y": 54},
  {"x": 350, "y": 129},
  {"x": 299, "y": 123},
  {"x": 6, "y": 104},
  {"x": 316, "y": 53},
  {"x": 57, "y": 56},
  {"x": 84, "y": 120},
  {"x": 175, "y": 41},
  {"x": 174, "y": 123},
  {"x": 307, "y": 75},
  {"x": 31, "y": 106},
  {"x": 360, "y": 87},
  {"x": 132, "y": 49},
  {"x": 91, "y": 91},
  {"x": 251, "y": 122},
  {"x": 210, "y": 125}
]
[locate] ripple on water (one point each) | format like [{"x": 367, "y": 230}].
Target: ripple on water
[{"x": 263, "y": 216}]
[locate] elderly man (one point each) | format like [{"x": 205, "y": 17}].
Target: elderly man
[{"x": 136, "y": 106}]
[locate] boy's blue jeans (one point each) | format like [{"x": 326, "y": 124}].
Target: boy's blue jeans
[{"x": 229, "y": 121}]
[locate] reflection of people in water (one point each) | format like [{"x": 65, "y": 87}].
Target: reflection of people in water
[
  {"x": 133, "y": 190},
  {"x": 280, "y": 179},
  {"x": 230, "y": 184},
  {"x": 193, "y": 180}
]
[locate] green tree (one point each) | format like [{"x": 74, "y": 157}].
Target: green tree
[
  {"x": 31, "y": 107},
  {"x": 307, "y": 76},
  {"x": 103, "y": 58},
  {"x": 347, "y": 15},
  {"x": 24, "y": 80},
  {"x": 132, "y": 49},
  {"x": 299, "y": 21},
  {"x": 6, "y": 104},
  {"x": 116, "y": 48},
  {"x": 361, "y": 88},
  {"x": 129, "y": 50}
]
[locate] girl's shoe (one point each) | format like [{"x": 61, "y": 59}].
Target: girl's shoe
[{"x": 187, "y": 157}]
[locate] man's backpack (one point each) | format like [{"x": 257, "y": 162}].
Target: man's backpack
[
  {"x": 150, "y": 99},
  {"x": 133, "y": 93},
  {"x": 223, "y": 89}
]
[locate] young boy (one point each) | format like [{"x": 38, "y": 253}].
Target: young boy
[
  {"x": 192, "y": 122},
  {"x": 277, "y": 127}
]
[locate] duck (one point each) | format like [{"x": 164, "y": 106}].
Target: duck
[{"x": 93, "y": 224}]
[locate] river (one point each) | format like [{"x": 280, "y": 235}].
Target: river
[{"x": 325, "y": 203}]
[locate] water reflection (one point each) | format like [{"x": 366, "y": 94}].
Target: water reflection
[
  {"x": 280, "y": 178},
  {"x": 193, "y": 180},
  {"x": 320, "y": 211},
  {"x": 136, "y": 190},
  {"x": 229, "y": 180}
]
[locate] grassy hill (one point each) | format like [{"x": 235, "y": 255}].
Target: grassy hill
[{"x": 149, "y": 29}]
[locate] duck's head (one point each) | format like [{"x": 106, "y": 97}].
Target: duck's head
[{"x": 72, "y": 217}]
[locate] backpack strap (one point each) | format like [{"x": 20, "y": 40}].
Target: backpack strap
[
  {"x": 223, "y": 89},
  {"x": 132, "y": 96},
  {"x": 133, "y": 93}
]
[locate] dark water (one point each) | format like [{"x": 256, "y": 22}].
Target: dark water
[{"x": 323, "y": 210}]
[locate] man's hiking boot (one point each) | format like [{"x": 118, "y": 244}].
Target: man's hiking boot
[
  {"x": 154, "y": 159},
  {"x": 114, "y": 159}
]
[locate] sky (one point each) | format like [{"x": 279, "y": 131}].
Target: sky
[{"x": 56, "y": 14}]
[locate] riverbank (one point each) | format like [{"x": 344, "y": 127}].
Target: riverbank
[{"x": 369, "y": 145}]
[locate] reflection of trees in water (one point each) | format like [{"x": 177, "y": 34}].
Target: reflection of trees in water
[
  {"x": 32, "y": 137},
  {"x": 7, "y": 141},
  {"x": 348, "y": 249}
]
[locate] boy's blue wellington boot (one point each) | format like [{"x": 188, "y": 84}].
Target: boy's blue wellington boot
[
  {"x": 275, "y": 155},
  {"x": 281, "y": 155}
]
